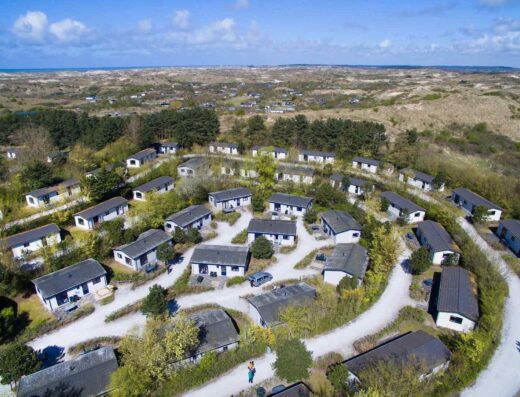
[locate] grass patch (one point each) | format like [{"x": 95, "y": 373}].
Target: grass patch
[
  {"x": 131, "y": 308},
  {"x": 307, "y": 260},
  {"x": 93, "y": 343},
  {"x": 182, "y": 285},
  {"x": 432, "y": 97},
  {"x": 209, "y": 235},
  {"x": 107, "y": 300},
  {"x": 258, "y": 265},
  {"x": 33, "y": 309},
  {"x": 240, "y": 238},
  {"x": 230, "y": 218},
  {"x": 235, "y": 280},
  {"x": 513, "y": 263},
  {"x": 286, "y": 249}
]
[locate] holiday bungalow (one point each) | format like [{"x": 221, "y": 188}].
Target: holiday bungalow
[
  {"x": 223, "y": 148},
  {"x": 346, "y": 260},
  {"x": 195, "y": 166},
  {"x": 357, "y": 186},
  {"x": 107, "y": 210},
  {"x": 141, "y": 158},
  {"x": 468, "y": 201},
  {"x": 32, "y": 240},
  {"x": 457, "y": 304},
  {"x": 438, "y": 242},
  {"x": 57, "y": 289},
  {"x": 143, "y": 250},
  {"x": 340, "y": 226},
  {"x": 169, "y": 147},
  {"x": 47, "y": 195},
  {"x": 289, "y": 204},
  {"x": 336, "y": 180},
  {"x": 419, "y": 180},
  {"x": 366, "y": 164},
  {"x": 400, "y": 207},
  {"x": 192, "y": 217},
  {"x": 276, "y": 152},
  {"x": 231, "y": 198},
  {"x": 295, "y": 174},
  {"x": 315, "y": 156},
  {"x": 509, "y": 232},
  {"x": 416, "y": 348},
  {"x": 13, "y": 153},
  {"x": 278, "y": 232},
  {"x": 159, "y": 185},
  {"x": 220, "y": 260},
  {"x": 86, "y": 375},
  {"x": 265, "y": 309}
]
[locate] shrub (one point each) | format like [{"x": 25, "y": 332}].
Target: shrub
[
  {"x": 479, "y": 214},
  {"x": 338, "y": 377},
  {"x": 347, "y": 283},
  {"x": 165, "y": 252},
  {"x": 193, "y": 236},
  {"x": 420, "y": 261},
  {"x": 179, "y": 236},
  {"x": 257, "y": 202},
  {"x": 235, "y": 280},
  {"x": 293, "y": 360},
  {"x": 131, "y": 308},
  {"x": 155, "y": 303},
  {"x": 240, "y": 238},
  {"x": 262, "y": 248},
  {"x": 310, "y": 216},
  {"x": 383, "y": 207}
]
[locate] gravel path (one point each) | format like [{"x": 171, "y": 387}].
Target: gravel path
[
  {"x": 502, "y": 375},
  {"x": 395, "y": 297}
]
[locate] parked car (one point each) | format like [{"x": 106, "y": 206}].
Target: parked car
[
  {"x": 200, "y": 279},
  {"x": 427, "y": 283},
  {"x": 275, "y": 216},
  {"x": 321, "y": 257},
  {"x": 277, "y": 389},
  {"x": 228, "y": 210},
  {"x": 260, "y": 278}
]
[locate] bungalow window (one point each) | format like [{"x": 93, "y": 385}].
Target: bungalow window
[
  {"x": 128, "y": 261},
  {"x": 355, "y": 234},
  {"x": 31, "y": 200},
  {"x": 456, "y": 319},
  {"x": 235, "y": 268},
  {"x": 286, "y": 237},
  {"x": 26, "y": 244},
  {"x": 80, "y": 221},
  {"x": 97, "y": 280},
  {"x": 417, "y": 214},
  {"x": 491, "y": 212},
  {"x": 120, "y": 256}
]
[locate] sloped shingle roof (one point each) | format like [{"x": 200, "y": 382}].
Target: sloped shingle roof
[
  {"x": 31, "y": 235},
  {"x": 56, "y": 188},
  {"x": 195, "y": 162},
  {"x": 359, "y": 159},
  {"x": 216, "y": 330},
  {"x": 513, "y": 225},
  {"x": 456, "y": 293},
  {"x": 146, "y": 242},
  {"x": 227, "y": 255},
  {"x": 348, "y": 258},
  {"x": 299, "y": 389},
  {"x": 268, "y": 226},
  {"x": 401, "y": 202},
  {"x": 189, "y": 215},
  {"x": 142, "y": 154},
  {"x": 475, "y": 198},
  {"x": 436, "y": 236},
  {"x": 230, "y": 194},
  {"x": 317, "y": 153},
  {"x": 289, "y": 199},
  {"x": 419, "y": 175},
  {"x": 102, "y": 207},
  {"x": 154, "y": 184},
  {"x": 340, "y": 221}
]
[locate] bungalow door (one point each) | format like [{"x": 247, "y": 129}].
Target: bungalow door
[
  {"x": 223, "y": 270},
  {"x": 84, "y": 287}
]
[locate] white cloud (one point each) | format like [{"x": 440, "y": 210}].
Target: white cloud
[
  {"x": 68, "y": 30},
  {"x": 385, "y": 44},
  {"x": 144, "y": 25},
  {"x": 181, "y": 19},
  {"x": 241, "y": 4},
  {"x": 502, "y": 25},
  {"x": 216, "y": 32},
  {"x": 493, "y": 3},
  {"x": 31, "y": 26}
]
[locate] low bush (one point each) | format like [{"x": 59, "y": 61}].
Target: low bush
[
  {"x": 93, "y": 344},
  {"x": 131, "y": 308},
  {"x": 235, "y": 280},
  {"x": 230, "y": 218},
  {"x": 107, "y": 300},
  {"x": 307, "y": 260},
  {"x": 262, "y": 248},
  {"x": 240, "y": 238}
]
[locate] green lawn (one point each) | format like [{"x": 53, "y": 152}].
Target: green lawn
[{"x": 36, "y": 312}]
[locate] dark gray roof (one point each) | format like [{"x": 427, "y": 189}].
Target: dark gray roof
[
  {"x": 289, "y": 199},
  {"x": 356, "y": 181},
  {"x": 230, "y": 194},
  {"x": 224, "y": 144},
  {"x": 189, "y": 215},
  {"x": 456, "y": 293},
  {"x": 170, "y": 144},
  {"x": 51, "y": 189},
  {"x": 274, "y": 148},
  {"x": 142, "y": 154},
  {"x": 513, "y": 225},
  {"x": 102, "y": 207},
  {"x": 146, "y": 242},
  {"x": 475, "y": 199},
  {"x": 348, "y": 258},
  {"x": 154, "y": 184},
  {"x": 437, "y": 238},
  {"x": 418, "y": 347},
  {"x": 419, "y": 175},
  {"x": 227, "y": 255},
  {"x": 296, "y": 170},
  {"x": 69, "y": 277},
  {"x": 270, "y": 304},
  {"x": 84, "y": 376},
  {"x": 108, "y": 167},
  {"x": 340, "y": 221},
  {"x": 31, "y": 235},
  {"x": 401, "y": 202},
  {"x": 195, "y": 162},
  {"x": 268, "y": 226},
  {"x": 299, "y": 389},
  {"x": 336, "y": 177},
  {"x": 215, "y": 330},
  {"x": 317, "y": 153},
  {"x": 15, "y": 150},
  {"x": 359, "y": 159}
]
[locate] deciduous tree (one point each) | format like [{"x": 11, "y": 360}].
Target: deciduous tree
[{"x": 293, "y": 360}]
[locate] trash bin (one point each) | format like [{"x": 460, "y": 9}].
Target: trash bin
[{"x": 260, "y": 392}]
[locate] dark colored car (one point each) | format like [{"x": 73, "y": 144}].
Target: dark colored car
[
  {"x": 321, "y": 257},
  {"x": 149, "y": 268},
  {"x": 260, "y": 278},
  {"x": 278, "y": 389},
  {"x": 427, "y": 283}
]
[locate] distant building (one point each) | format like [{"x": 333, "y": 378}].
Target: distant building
[
  {"x": 336, "y": 181},
  {"x": 47, "y": 195},
  {"x": 223, "y": 148},
  {"x": 509, "y": 232},
  {"x": 400, "y": 207},
  {"x": 289, "y": 204},
  {"x": 162, "y": 184},
  {"x": 143, "y": 250},
  {"x": 169, "y": 148},
  {"x": 276, "y": 231},
  {"x": 84, "y": 376},
  {"x": 277, "y": 153},
  {"x": 195, "y": 166},
  {"x": 265, "y": 308},
  {"x": 419, "y": 180},
  {"x": 346, "y": 260},
  {"x": 437, "y": 241},
  {"x": 468, "y": 201},
  {"x": 366, "y": 164},
  {"x": 230, "y": 198},
  {"x": 295, "y": 174},
  {"x": 57, "y": 157},
  {"x": 32, "y": 240},
  {"x": 194, "y": 216},
  {"x": 57, "y": 288},
  {"x": 107, "y": 210},
  {"x": 13, "y": 153},
  {"x": 141, "y": 158},
  {"x": 315, "y": 156},
  {"x": 457, "y": 304},
  {"x": 340, "y": 226},
  {"x": 357, "y": 186},
  {"x": 220, "y": 260}
]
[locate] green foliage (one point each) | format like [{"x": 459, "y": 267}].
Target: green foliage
[
  {"x": 193, "y": 236},
  {"x": 479, "y": 214},
  {"x": 412, "y": 136},
  {"x": 420, "y": 261},
  {"x": 265, "y": 167},
  {"x": 179, "y": 236},
  {"x": 293, "y": 360},
  {"x": 347, "y": 283},
  {"x": 258, "y": 202},
  {"x": 235, "y": 281},
  {"x": 327, "y": 170},
  {"x": 17, "y": 360},
  {"x": 310, "y": 216},
  {"x": 114, "y": 230},
  {"x": 7, "y": 323},
  {"x": 103, "y": 185},
  {"x": 338, "y": 377},
  {"x": 36, "y": 175},
  {"x": 165, "y": 252},
  {"x": 384, "y": 204},
  {"x": 255, "y": 125},
  {"x": 329, "y": 197},
  {"x": 262, "y": 248},
  {"x": 152, "y": 212},
  {"x": 240, "y": 238},
  {"x": 155, "y": 303}
]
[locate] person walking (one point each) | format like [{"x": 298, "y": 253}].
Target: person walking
[{"x": 250, "y": 375}]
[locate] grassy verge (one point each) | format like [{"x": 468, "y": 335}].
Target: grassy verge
[
  {"x": 307, "y": 260},
  {"x": 240, "y": 238},
  {"x": 235, "y": 280},
  {"x": 513, "y": 263},
  {"x": 107, "y": 300},
  {"x": 230, "y": 218},
  {"x": 258, "y": 265},
  {"x": 125, "y": 310},
  {"x": 92, "y": 344}
]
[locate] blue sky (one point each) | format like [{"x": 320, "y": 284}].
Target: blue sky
[{"x": 64, "y": 33}]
